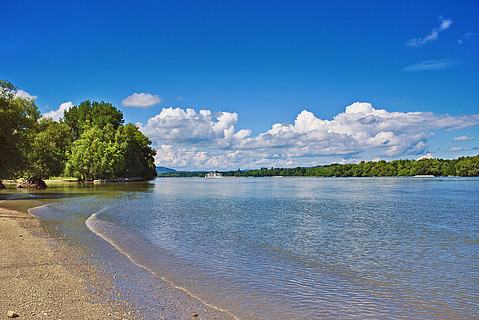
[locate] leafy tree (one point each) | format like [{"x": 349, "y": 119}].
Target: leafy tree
[
  {"x": 95, "y": 155},
  {"x": 89, "y": 114},
  {"x": 136, "y": 151},
  {"x": 18, "y": 118},
  {"x": 49, "y": 151},
  {"x": 468, "y": 167}
]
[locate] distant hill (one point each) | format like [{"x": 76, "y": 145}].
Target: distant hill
[{"x": 164, "y": 170}]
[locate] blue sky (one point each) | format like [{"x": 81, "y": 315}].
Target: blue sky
[{"x": 273, "y": 78}]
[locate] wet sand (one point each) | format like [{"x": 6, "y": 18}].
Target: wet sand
[
  {"x": 35, "y": 283},
  {"x": 44, "y": 278}
]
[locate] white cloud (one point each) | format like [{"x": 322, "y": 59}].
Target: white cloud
[
  {"x": 419, "y": 148},
  {"x": 57, "y": 114},
  {"x": 458, "y": 149},
  {"x": 346, "y": 161},
  {"x": 189, "y": 127},
  {"x": 427, "y": 156},
  {"x": 207, "y": 140},
  {"x": 444, "y": 23},
  {"x": 142, "y": 100},
  {"x": 432, "y": 65},
  {"x": 463, "y": 138},
  {"x": 25, "y": 95}
]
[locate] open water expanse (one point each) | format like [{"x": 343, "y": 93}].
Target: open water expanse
[{"x": 291, "y": 248}]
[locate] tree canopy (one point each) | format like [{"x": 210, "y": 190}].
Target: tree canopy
[
  {"x": 106, "y": 149},
  {"x": 18, "y": 119},
  {"x": 89, "y": 142},
  {"x": 95, "y": 155},
  {"x": 461, "y": 167},
  {"x": 50, "y": 149},
  {"x": 90, "y": 114}
]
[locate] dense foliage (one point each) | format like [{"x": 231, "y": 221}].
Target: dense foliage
[
  {"x": 461, "y": 167},
  {"x": 18, "y": 118},
  {"x": 92, "y": 114},
  {"x": 89, "y": 142}
]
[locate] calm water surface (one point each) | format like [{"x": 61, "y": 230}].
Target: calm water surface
[{"x": 294, "y": 248}]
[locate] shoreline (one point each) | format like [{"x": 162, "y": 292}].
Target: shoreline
[
  {"x": 42, "y": 277},
  {"x": 37, "y": 282}
]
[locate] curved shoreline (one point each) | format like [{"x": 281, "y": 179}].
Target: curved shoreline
[
  {"x": 91, "y": 225},
  {"x": 37, "y": 281},
  {"x": 43, "y": 276}
]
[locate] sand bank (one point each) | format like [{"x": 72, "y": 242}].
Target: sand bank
[
  {"x": 35, "y": 281},
  {"x": 43, "y": 278}
]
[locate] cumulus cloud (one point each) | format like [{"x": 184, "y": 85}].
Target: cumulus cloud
[
  {"x": 463, "y": 138},
  {"x": 57, "y": 114},
  {"x": 189, "y": 127},
  {"x": 427, "y": 156},
  {"x": 432, "y": 65},
  {"x": 190, "y": 139},
  {"x": 25, "y": 95},
  {"x": 348, "y": 161},
  {"x": 143, "y": 100},
  {"x": 444, "y": 23}
]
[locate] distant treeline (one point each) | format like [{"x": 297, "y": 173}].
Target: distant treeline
[
  {"x": 461, "y": 167},
  {"x": 89, "y": 142}
]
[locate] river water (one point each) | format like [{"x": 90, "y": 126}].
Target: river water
[{"x": 291, "y": 248}]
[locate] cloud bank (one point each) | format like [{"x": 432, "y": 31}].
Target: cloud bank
[
  {"x": 142, "y": 100},
  {"x": 57, "y": 114},
  {"x": 187, "y": 139},
  {"x": 444, "y": 23}
]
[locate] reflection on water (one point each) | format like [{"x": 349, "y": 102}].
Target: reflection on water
[{"x": 299, "y": 248}]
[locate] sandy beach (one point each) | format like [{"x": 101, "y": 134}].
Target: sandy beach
[
  {"x": 43, "y": 278},
  {"x": 36, "y": 283}
]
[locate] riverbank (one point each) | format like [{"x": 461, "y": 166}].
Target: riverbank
[
  {"x": 36, "y": 281},
  {"x": 43, "y": 277}
]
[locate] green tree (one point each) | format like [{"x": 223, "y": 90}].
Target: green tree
[
  {"x": 89, "y": 114},
  {"x": 136, "y": 151},
  {"x": 468, "y": 167},
  {"x": 49, "y": 150},
  {"x": 18, "y": 119},
  {"x": 95, "y": 155}
]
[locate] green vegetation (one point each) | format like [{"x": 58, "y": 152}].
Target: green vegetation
[
  {"x": 89, "y": 142},
  {"x": 461, "y": 167},
  {"x": 18, "y": 119},
  {"x": 183, "y": 174}
]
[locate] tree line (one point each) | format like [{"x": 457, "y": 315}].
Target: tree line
[
  {"x": 461, "y": 167},
  {"x": 90, "y": 142}
]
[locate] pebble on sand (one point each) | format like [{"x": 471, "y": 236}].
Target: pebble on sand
[{"x": 12, "y": 314}]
